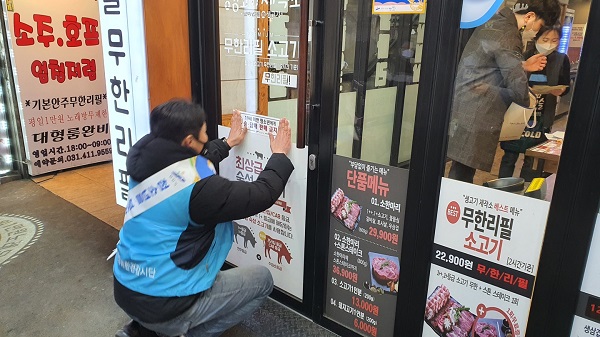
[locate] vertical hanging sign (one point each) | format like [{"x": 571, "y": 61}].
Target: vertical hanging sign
[
  {"x": 57, "y": 65},
  {"x": 124, "y": 52}
]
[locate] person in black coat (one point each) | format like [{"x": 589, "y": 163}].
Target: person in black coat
[
  {"x": 556, "y": 73},
  {"x": 168, "y": 259}
]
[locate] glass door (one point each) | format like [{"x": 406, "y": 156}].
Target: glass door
[
  {"x": 262, "y": 74},
  {"x": 380, "y": 62}
]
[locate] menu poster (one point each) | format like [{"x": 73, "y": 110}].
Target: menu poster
[
  {"x": 366, "y": 224},
  {"x": 587, "y": 316},
  {"x": 484, "y": 262},
  {"x": 273, "y": 238}
]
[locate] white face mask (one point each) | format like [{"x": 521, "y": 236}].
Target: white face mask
[{"x": 546, "y": 48}]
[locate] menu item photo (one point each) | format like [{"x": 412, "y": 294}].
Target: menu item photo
[
  {"x": 345, "y": 209},
  {"x": 446, "y": 316},
  {"x": 485, "y": 327},
  {"x": 385, "y": 272}
]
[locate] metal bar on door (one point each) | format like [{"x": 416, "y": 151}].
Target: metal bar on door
[{"x": 302, "y": 75}]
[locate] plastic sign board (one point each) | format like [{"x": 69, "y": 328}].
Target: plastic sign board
[
  {"x": 124, "y": 49},
  {"x": 485, "y": 257},
  {"x": 57, "y": 65},
  {"x": 273, "y": 238}
]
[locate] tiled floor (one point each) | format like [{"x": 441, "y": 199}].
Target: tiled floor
[{"x": 90, "y": 188}]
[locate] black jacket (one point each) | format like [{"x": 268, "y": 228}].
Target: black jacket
[
  {"x": 557, "y": 72},
  {"x": 213, "y": 200}
]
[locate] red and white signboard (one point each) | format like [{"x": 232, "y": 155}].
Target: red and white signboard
[
  {"x": 484, "y": 262},
  {"x": 58, "y": 68},
  {"x": 273, "y": 238}
]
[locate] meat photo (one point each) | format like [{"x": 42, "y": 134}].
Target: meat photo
[
  {"x": 446, "y": 316},
  {"x": 337, "y": 199},
  {"x": 345, "y": 209},
  {"x": 485, "y": 330},
  {"x": 385, "y": 270},
  {"x": 436, "y": 301}
]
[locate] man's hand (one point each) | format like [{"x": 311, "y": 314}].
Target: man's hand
[
  {"x": 282, "y": 141},
  {"x": 535, "y": 63},
  {"x": 238, "y": 131}
]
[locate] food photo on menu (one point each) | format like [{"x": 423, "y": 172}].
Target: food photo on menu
[
  {"x": 346, "y": 210},
  {"x": 385, "y": 273},
  {"x": 448, "y": 318}
]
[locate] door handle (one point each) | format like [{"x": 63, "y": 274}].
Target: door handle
[
  {"x": 312, "y": 162},
  {"x": 302, "y": 75}
]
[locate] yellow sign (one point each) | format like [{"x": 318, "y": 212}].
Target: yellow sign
[
  {"x": 399, "y": 6},
  {"x": 10, "y": 6}
]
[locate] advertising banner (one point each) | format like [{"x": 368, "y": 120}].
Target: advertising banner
[
  {"x": 366, "y": 225},
  {"x": 58, "y": 68},
  {"x": 399, "y": 7},
  {"x": 126, "y": 83},
  {"x": 273, "y": 238},
  {"x": 587, "y": 316},
  {"x": 484, "y": 262}
]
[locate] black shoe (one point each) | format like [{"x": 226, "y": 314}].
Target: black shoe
[
  {"x": 131, "y": 329},
  {"x": 135, "y": 329}
]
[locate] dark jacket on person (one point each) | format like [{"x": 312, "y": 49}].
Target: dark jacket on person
[
  {"x": 490, "y": 77},
  {"x": 556, "y": 72},
  {"x": 213, "y": 200}
]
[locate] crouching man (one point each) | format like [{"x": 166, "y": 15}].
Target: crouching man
[{"x": 178, "y": 230}]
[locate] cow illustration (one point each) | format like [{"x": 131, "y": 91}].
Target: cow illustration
[
  {"x": 245, "y": 233},
  {"x": 279, "y": 247},
  {"x": 259, "y": 155}
]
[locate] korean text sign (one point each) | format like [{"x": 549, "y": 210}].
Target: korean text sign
[
  {"x": 59, "y": 70},
  {"x": 126, "y": 82},
  {"x": 484, "y": 262},
  {"x": 365, "y": 234},
  {"x": 273, "y": 238}
]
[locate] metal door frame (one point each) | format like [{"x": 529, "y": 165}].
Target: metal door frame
[{"x": 427, "y": 161}]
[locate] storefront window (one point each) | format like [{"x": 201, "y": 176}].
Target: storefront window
[{"x": 501, "y": 168}]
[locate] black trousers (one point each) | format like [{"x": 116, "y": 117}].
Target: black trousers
[{"x": 507, "y": 166}]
